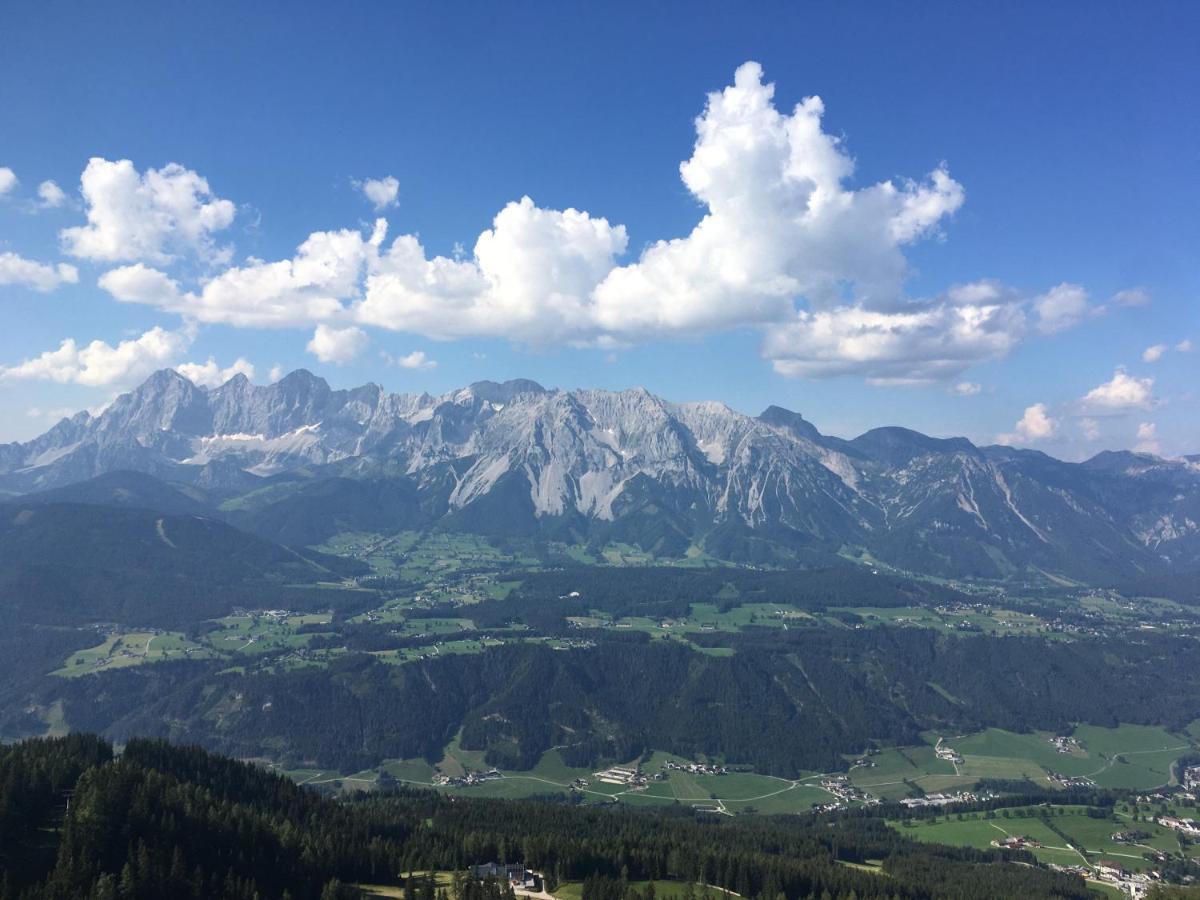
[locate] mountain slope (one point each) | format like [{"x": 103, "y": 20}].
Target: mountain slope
[
  {"x": 64, "y": 563},
  {"x": 297, "y": 462}
]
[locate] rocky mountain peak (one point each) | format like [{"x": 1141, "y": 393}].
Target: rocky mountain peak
[{"x": 514, "y": 454}]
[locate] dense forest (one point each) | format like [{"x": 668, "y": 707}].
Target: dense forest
[
  {"x": 71, "y": 564},
  {"x": 783, "y": 702},
  {"x": 78, "y": 822},
  {"x": 545, "y": 598}
]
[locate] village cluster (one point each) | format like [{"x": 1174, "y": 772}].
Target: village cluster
[
  {"x": 1136, "y": 884},
  {"x": 846, "y": 793},
  {"x": 1059, "y": 780},
  {"x": 468, "y": 779},
  {"x": 944, "y": 799},
  {"x": 634, "y": 778},
  {"x": 1066, "y": 744}
]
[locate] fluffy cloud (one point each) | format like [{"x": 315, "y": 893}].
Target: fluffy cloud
[
  {"x": 50, "y": 195},
  {"x": 154, "y": 217},
  {"x": 1132, "y": 297},
  {"x": 327, "y": 268},
  {"x": 415, "y": 360},
  {"x": 780, "y": 227},
  {"x": 337, "y": 345},
  {"x": 785, "y": 244},
  {"x": 1060, "y": 308},
  {"x": 42, "y": 277},
  {"x": 966, "y": 389},
  {"x": 382, "y": 192},
  {"x": 1124, "y": 392},
  {"x": 916, "y": 344},
  {"x": 1089, "y": 428},
  {"x": 1035, "y": 425},
  {"x": 8, "y": 180},
  {"x": 1184, "y": 346},
  {"x": 780, "y": 224},
  {"x": 1147, "y": 438},
  {"x": 209, "y": 374},
  {"x": 531, "y": 278},
  {"x": 99, "y": 364},
  {"x": 1154, "y": 354}
]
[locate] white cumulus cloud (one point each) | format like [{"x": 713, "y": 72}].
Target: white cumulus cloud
[
  {"x": 530, "y": 278},
  {"x": 155, "y": 216},
  {"x": 786, "y": 243},
  {"x": 415, "y": 360},
  {"x": 382, "y": 192},
  {"x": 1035, "y": 424},
  {"x": 209, "y": 374},
  {"x": 1147, "y": 438},
  {"x": 50, "y": 195},
  {"x": 310, "y": 287},
  {"x": 967, "y": 388},
  {"x": 42, "y": 277},
  {"x": 337, "y": 345},
  {"x": 1184, "y": 346},
  {"x": 1154, "y": 353},
  {"x": 100, "y": 364},
  {"x": 8, "y": 180},
  {"x": 1063, "y": 306},
  {"x": 922, "y": 342},
  {"x": 1124, "y": 392},
  {"x": 1137, "y": 296}
]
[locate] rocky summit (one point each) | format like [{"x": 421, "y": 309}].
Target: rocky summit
[{"x": 628, "y": 466}]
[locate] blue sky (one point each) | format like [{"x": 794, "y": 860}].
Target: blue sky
[{"x": 986, "y": 228}]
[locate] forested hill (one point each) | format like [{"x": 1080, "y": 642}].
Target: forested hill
[
  {"x": 783, "y": 703},
  {"x": 72, "y": 563},
  {"x": 167, "y": 822}
]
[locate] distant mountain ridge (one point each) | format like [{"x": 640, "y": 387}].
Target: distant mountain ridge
[{"x": 588, "y": 465}]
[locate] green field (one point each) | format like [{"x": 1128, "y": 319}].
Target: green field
[
  {"x": 1129, "y": 756},
  {"x": 131, "y": 648},
  {"x": 733, "y": 793},
  {"x": 1086, "y": 839},
  {"x": 998, "y": 621},
  {"x": 988, "y": 754}
]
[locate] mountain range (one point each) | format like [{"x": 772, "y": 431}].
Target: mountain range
[{"x": 297, "y": 462}]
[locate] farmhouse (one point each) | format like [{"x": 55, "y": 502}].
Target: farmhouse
[
  {"x": 1058, "y": 779},
  {"x": 694, "y": 768},
  {"x": 940, "y": 799},
  {"x": 619, "y": 775},
  {"x": 1191, "y": 778},
  {"x": 1016, "y": 842},
  {"x": 470, "y": 778},
  {"x": 1187, "y": 826},
  {"x": 947, "y": 753},
  {"x": 1065, "y": 744},
  {"x": 1106, "y": 868},
  {"x": 514, "y": 873}
]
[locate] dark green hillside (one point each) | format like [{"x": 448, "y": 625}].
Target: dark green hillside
[
  {"x": 135, "y": 490},
  {"x": 163, "y": 821},
  {"x": 76, "y": 563},
  {"x": 302, "y": 512},
  {"x": 545, "y": 598},
  {"x": 783, "y": 702}
]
